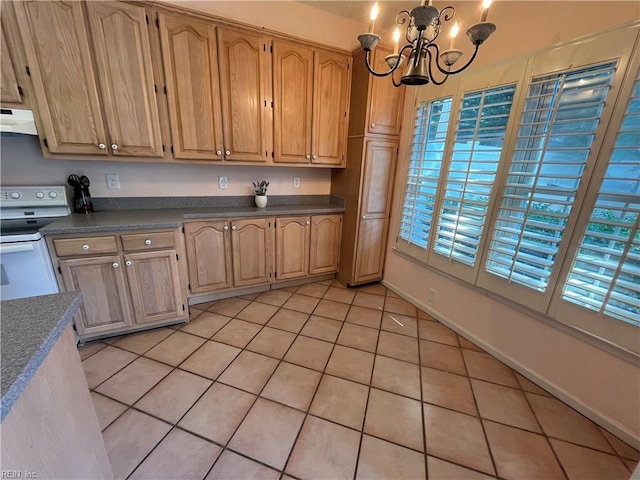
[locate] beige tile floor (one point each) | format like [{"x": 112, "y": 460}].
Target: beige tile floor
[{"x": 323, "y": 382}]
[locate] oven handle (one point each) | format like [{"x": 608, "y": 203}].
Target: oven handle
[{"x": 16, "y": 248}]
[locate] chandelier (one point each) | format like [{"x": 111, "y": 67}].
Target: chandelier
[{"x": 424, "y": 26}]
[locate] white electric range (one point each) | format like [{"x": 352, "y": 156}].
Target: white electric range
[{"x": 25, "y": 265}]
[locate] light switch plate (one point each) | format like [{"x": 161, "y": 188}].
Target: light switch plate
[
  {"x": 113, "y": 181},
  {"x": 296, "y": 182},
  {"x": 223, "y": 182}
]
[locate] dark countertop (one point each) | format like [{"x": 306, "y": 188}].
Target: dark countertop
[
  {"x": 30, "y": 327},
  {"x": 172, "y": 218}
]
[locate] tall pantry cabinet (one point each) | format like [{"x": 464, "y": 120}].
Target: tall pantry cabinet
[{"x": 367, "y": 181}]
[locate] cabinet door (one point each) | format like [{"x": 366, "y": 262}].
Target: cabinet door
[
  {"x": 326, "y": 233},
  {"x": 375, "y": 204},
  {"x": 208, "y": 256},
  {"x": 245, "y": 81},
  {"x": 103, "y": 286},
  {"x": 331, "y": 86},
  {"x": 385, "y": 101},
  {"x": 252, "y": 244},
  {"x": 190, "y": 60},
  {"x": 64, "y": 83},
  {"x": 292, "y": 247},
  {"x": 123, "y": 55},
  {"x": 154, "y": 283},
  {"x": 10, "y": 92},
  {"x": 292, "y": 102}
]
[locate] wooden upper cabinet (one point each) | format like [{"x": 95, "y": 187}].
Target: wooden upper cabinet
[
  {"x": 190, "y": 58},
  {"x": 331, "y": 86},
  {"x": 103, "y": 286},
  {"x": 292, "y": 247},
  {"x": 123, "y": 56},
  {"x": 10, "y": 91},
  {"x": 292, "y": 102},
  {"x": 57, "y": 49},
  {"x": 154, "y": 283},
  {"x": 208, "y": 255},
  {"x": 385, "y": 100},
  {"x": 252, "y": 245},
  {"x": 326, "y": 234},
  {"x": 245, "y": 82}
]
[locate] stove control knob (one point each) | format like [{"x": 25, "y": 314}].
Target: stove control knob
[
  {"x": 39, "y": 194},
  {"x": 15, "y": 195},
  {"x": 53, "y": 194}
]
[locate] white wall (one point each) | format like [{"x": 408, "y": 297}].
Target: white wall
[
  {"x": 22, "y": 163},
  {"x": 599, "y": 384}
]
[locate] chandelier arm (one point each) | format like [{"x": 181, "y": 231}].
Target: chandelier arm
[
  {"x": 433, "y": 79},
  {"x": 452, "y": 72},
  {"x": 447, "y": 16},
  {"x": 376, "y": 74}
]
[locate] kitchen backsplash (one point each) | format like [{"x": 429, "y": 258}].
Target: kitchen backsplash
[{"x": 23, "y": 164}]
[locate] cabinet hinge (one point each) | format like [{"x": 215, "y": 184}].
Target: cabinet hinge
[
  {"x": 46, "y": 144},
  {"x": 183, "y": 309},
  {"x": 266, "y": 154},
  {"x": 177, "y": 257},
  {"x": 165, "y": 89},
  {"x": 276, "y": 274},
  {"x": 74, "y": 327},
  {"x": 271, "y": 48},
  {"x": 269, "y": 224},
  {"x": 28, "y": 71},
  {"x": 157, "y": 23},
  {"x": 59, "y": 270},
  {"x": 189, "y": 286},
  {"x": 269, "y": 274},
  {"x": 182, "y": 229},
  {"x": 342, "y": 157},
  {"x": 271, "y": 103},
  {"x": 146, "y": 17},
  {"x": 163, "y": 149},
  {"x": 272, "y": 154},
  {"x": 172, "y": 149},
  {"x": 20, "y": 91},
  {"x": 155, "y": 88},
  {"x": 264, "y": 47}
]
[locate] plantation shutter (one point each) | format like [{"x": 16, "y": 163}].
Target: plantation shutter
[
  {"x": 426, "y": 158},
  {"x": 605, "y": 273},
  {"x": 561, "y": 114},
  {"x": 471, "y": 173}
]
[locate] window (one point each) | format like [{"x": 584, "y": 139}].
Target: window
[
  {"x": 557, "y": 129},
  {"x": 427, "y": 154},
  {"x": 535, "y": 194},
  {"x": 605, "y": 273},
  {"x": 482, "y": 126}
]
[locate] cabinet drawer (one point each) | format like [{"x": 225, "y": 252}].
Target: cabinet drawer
[
  {"x": 147, "y": 241},
  {"x": 66, "y": 247}
]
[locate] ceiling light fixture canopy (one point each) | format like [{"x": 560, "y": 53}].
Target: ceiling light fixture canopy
[{"x": 424, "y": 25}]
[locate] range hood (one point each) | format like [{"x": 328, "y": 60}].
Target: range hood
[{"x": 13, "y": 120}]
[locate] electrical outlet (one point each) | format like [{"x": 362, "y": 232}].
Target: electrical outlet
[
  {"x": 296, "y": 182},
  {"x": 223, "y": 182},
  {"x": 113, "y": 181},
  {"x": 432, "y": 294}
]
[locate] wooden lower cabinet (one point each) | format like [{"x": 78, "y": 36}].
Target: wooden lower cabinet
[
  {"x": 154, "y": 284},
  {"x": 252, "y": 246},
  {"x": 292, "y": 247},
  {"x": 102, "y": 282},
  {"x": 209, "y": 256},
  {"x": 326, "y": 234},
  {"x": 369, "y": 254}
]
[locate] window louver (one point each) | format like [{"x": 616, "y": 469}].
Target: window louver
[
  {"x": 605, "y": 274},
  {"x": 427, "y": 152},
  {"x": 557, "y": 128},
  {"x": 472, "y": 171}
]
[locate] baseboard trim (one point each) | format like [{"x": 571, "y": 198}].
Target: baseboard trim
[{"x": 599, "y": 418}]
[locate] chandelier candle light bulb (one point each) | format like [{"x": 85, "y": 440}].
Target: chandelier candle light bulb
[
  {"x": 485, "y": 12},
  {"x": 373, "y": 16},
  {"x": 454, "y": 33},
  {"x": 396, "y": 39}
]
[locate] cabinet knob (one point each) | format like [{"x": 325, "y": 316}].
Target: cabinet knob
[
  {"x": 219, "y": 152},
  {"x": 307, "y": 222},
  {"x": 128, "y": 263},
  {"x": 114, "y": 146},
  {"x": 315, "y": 157},
  {"x": 85, "y": 247},
  {"x": 373, "y": 125},
  {"x": 102, "y": 146},
  {"x": 308, "y": 157},
  {"x": 115, "y": 265},
  {"x": 233, "y": 227},
  {"x": 227, "y": 152},
  {"x": 225, "y": 228},
  {"x": 364, "y": 217},
  {"x": 147, "y": 242}
]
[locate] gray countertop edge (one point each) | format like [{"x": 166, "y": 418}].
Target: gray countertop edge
[
  {"x": 70, "y": 300},
  {"x": 124, "y": 220}
]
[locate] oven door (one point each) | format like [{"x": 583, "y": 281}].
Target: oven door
[{"x": 26, "y": 270}]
